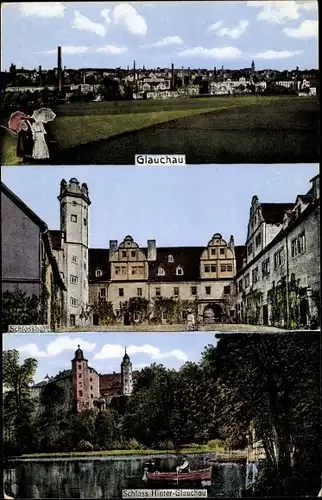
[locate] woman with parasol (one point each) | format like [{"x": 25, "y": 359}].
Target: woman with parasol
[
  {"x": 41, "y": 116},
  {"x": 20, "y": 125}
]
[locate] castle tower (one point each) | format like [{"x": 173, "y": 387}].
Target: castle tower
[
  {"x": 126, "y": 375},
  {"x": 74, "y": 203},
  {"x": 253, "y": 66},
  {"x": 81, "y": 400}
]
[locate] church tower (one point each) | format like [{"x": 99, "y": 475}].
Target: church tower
[
  {"x": 74, "y": 203},
  {"x": 126, "y": 375},
  {"x": 79, "y": 381},
  {"x": 253, "y": 66}
]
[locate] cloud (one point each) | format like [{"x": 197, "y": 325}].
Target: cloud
[
  {"x": 109, "y": 351},
  {"x": 56, "y": 347},
  {"x": 126, "y": 15},
  {"x": 164, "y": 42},
  {"x": 282, "y": 54},
  {"x": 307, "y": 29},
  {"x": 81, "y": 49},
  {"x": 105, "y": 14},
  {"x": 42, "y": 9},
  {"x": 111, "y": 49},
  {"x": 215, "y": 53},
  {"x": 234, "y": 33},
  {"x": 282, "y": 11},
  {"x": 83, "y": 23}
]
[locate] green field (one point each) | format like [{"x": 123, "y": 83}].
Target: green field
[{"x": 83, "y": 123}]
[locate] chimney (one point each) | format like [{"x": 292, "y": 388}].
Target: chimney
[
  {"x": 215, "y": 73},
  {"x": 189, "y": 76},
  {"x": 113, "y": 247},
  {"x": 182, "y": 77},
  {"x": 152, "y": 250},
  {"x": 172, "y": 76},
  {"x": 40, "y": 76},
  {"x": 59, "y": 68},
  {"x": 316, "y": 187}
]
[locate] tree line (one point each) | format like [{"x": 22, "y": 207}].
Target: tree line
[{"x": 270, "y": 383}]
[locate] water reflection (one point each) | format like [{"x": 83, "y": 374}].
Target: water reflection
[{"x": 106, "y": 477}]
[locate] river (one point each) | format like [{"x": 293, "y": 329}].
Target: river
[{"x": 106, "y": 477}]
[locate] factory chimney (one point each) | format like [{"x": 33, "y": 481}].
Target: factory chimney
[
  {"x": 172, "y": 76},
  {"x": 182, "y": 77},
  {"x": 40, "y": 76},
  {"x": 59, "y": 69}
]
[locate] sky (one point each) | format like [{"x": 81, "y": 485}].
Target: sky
[
  {"x": 105, "y": 351},
  {"x": 176, "y": 206},
  {"x": 276, "y": 34}
]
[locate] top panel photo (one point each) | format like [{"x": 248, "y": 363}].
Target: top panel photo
[{"x": 109, "y": 83}]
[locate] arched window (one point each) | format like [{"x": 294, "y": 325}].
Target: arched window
[
  {"x": 179, "y": 271},
  {"x": 161, "y": 271},
  {"x": 170, "y": 259},
  {"x": 98, "y": 273}
]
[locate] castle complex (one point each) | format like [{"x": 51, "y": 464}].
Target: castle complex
[{"x": 84, "y": 388}]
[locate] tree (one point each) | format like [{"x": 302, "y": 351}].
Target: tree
[{"x": 18, "y": 308}]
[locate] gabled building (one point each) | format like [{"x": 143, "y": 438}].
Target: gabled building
[{"x": 279, "y": 283}]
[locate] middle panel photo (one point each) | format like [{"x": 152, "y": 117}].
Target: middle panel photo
[{"x": 225, "y": 248}]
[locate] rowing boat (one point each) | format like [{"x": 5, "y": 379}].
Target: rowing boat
[{"x": 196, "y": 475}]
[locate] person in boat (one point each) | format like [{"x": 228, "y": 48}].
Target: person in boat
[{"x": 184, "y": 466}]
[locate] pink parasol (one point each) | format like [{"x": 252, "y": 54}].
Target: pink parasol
[{"x": 15, "y": 119}]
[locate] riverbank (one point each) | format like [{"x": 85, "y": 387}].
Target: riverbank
[
  {"x": 220, "y": 456},
  {"x": 144, "y": 327}
]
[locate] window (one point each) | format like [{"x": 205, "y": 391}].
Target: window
[
  {"x": 139, "y": 292},
  {"x": 301, "y": 243},
  {"x": 73, "y": 218},
  {"x": 92, "y": 396},
  {"x": 213, "y": 268},
  {"x": 227, "y": 290},
  {"x": 222, "y": 251},
  {"x": 84, "y": 266},
  {"x": 279, "y": 258},
  {"x": 161, "y": 271},
  {"x": 176, "y": 291},
  {"x": 91, "y": 387},
  {"x": 240, "y": 286},
  {"x": 258, "y": 240},
  {"x": 85, "y": 285},
  {"x": 193, "y": 290},
  {"x": 74, "y": 259},
  {"x": 223, "y": 269},
  {"x": 123, "y": 270},
  {"x": 85, "y": 222},
  {"x": 73, "y": 279},
  {"x": 208, "y": 290},
  {"x": 140, "y": 270},
  {"x": 294, "y": 247},
  {"x": 250, "y": 249},
  {"x": 255, "y": 275},
  {"x": 265, "y": 267},
  {"x": 134, "y": 270},
  {"x": 133, "y": 253},
  {"x": 79, "y": 367},
  {"x": 247, "y": 282},
  {"x": 229, "y": 268},
  {"x": 98, "y": 272},
  {"x": 123, "y": 253},
  {"x": 74, "y": 203},
  {"x": 170, "y": 259},
  {"x": 80, "y": 393},
  {"x": 121, "y": 292},
  {"x": 80, "y": 375},
  {"x": 207, "y": 269},
  {"x": 179, "y": 271},
  {"x": 117, "y": 270},
  {"x": 213, "y": 251},
  {"x": 103, "y": 292},
  {"x": 90, "y": 379},
  {"x": 73, "y": 302}
]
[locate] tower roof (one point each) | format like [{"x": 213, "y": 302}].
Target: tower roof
[
  {"x": 126, "y": 357},
  {"x": 79, "y": 356}
]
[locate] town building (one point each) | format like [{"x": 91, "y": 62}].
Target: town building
[
  {"x": 279, "y": 283},
  {"x": 28, "y": 263},
  {"x": 84, "y": 388}
]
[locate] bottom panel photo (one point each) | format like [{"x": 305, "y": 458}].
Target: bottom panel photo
[{"x": 136, "y": 415}]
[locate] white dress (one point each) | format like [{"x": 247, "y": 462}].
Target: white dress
[{"x": 40, "y": 149}]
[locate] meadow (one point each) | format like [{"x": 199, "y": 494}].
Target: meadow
[{"x": 112, "y": 132}]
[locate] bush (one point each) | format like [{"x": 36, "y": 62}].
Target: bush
[
  {"x": 165, "y": 445},
  {"x": 133, "y": 444},
  {"x": 84, "y": 446}
]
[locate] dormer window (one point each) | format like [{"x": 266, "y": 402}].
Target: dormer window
[
  {"x": 179, "y": 271},
  {"x": 161, "y": 271},
  {"x": 170, "y": 259},
  {"x": 98, "y": 273}
]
